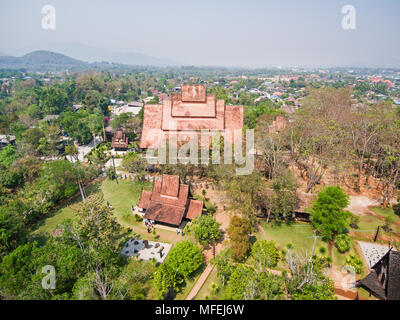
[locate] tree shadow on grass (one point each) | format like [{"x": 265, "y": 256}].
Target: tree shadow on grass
[{"x": 89, "y": 190}]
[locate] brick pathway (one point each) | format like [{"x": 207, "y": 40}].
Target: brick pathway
[{"x": 200, "y": 282}]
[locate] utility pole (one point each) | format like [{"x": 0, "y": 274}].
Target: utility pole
[
  {"x": 115, "y": 172},
  {"x": 377, "y": 233}
]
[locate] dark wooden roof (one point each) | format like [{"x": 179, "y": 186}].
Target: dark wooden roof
[
  {"x": 372, "y": 284},
  {"x": 384, "y": 279},
  {"x": 393, "y": 287}
]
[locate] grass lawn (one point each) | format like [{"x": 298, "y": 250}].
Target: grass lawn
[
  {"x": 387, "y": 212},
  {"x": 300, "y": 235},
  {"x": 206, "y": 292},
  {"x": 122, "y": 196},
  {"x": 51, "y": 223}
]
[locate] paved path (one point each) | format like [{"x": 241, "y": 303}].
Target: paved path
[{"x": 200, "y": 282}]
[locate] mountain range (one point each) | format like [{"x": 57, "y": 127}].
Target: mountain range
[
  {"x": 93, "y": 54},
  {"x": 41, "y": 60}
]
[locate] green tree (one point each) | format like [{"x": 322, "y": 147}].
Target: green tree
[
  {"x": 185, "y": 258},
  {"x": 265, "y": 254},
  {"x": 238, "y": 232},
  {"x": 53, "y": 100},
  {"x": 206, "y": 230},
  {"x": 327, "y": 214}
]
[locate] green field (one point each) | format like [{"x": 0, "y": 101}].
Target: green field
[
  {"x": 300, "y": 235},
  {"x": 122, "y": 196}
]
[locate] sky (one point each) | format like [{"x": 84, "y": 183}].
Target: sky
[{"x": 246, "y": 33}]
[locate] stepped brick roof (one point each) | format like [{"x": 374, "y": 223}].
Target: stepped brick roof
[
  {"x": 169, "y": 202},
  {"x": 187, "y": 113}
]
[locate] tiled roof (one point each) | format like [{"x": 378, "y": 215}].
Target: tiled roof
[
  {"x": 393, "y": 286},
  {"x": 165, "y": 213},
  {"x": 192, "y": 110},
  {"x": 169, "y": 201},
  {"x": 145, "y": 199},
  {"x": 195, "y": 209},
  {"x": 371, "y": 283}
]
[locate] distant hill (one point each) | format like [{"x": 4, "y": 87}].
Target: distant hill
[
  {"x": 92, "y": 54},
  {"x": 42, "y": 60}
]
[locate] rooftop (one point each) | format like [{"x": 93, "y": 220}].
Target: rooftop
[
  {"x": 186, "y": 113},
  {"x": 169, "y": 202}
]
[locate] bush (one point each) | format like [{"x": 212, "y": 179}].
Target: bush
[
  {"x": 355, "y": 262},
  {"x": 137, "y": 218},
  {"x": 343, "y": 243}
]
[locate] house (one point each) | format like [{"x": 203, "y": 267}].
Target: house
[
  {"x": 186, "y": 114},
  {"x": 383, "y": 281},
  {"x": 169, "y": 203},
  {"x": 119, "y": 141},
  {"x": 132, "y": 107}
]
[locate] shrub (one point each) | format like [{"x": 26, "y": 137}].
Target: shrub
[
  {"x": 343, "y": 243},
  {"x": 355, "y": 262}
]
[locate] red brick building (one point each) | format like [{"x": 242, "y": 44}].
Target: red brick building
[{"x": 188, "y": 113}]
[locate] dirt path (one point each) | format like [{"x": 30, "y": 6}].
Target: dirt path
[
  {"x": 223, "y": 217},
  {"x": 359, "y": 205}
]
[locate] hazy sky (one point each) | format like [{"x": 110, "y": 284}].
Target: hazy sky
[{"x": 212, "y": 32}]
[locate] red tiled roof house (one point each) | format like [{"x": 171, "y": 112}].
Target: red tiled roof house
[{"x": 169, "y": 202}]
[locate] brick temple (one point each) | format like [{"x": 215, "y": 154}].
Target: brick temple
[{"x": 187, "y": 113}]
